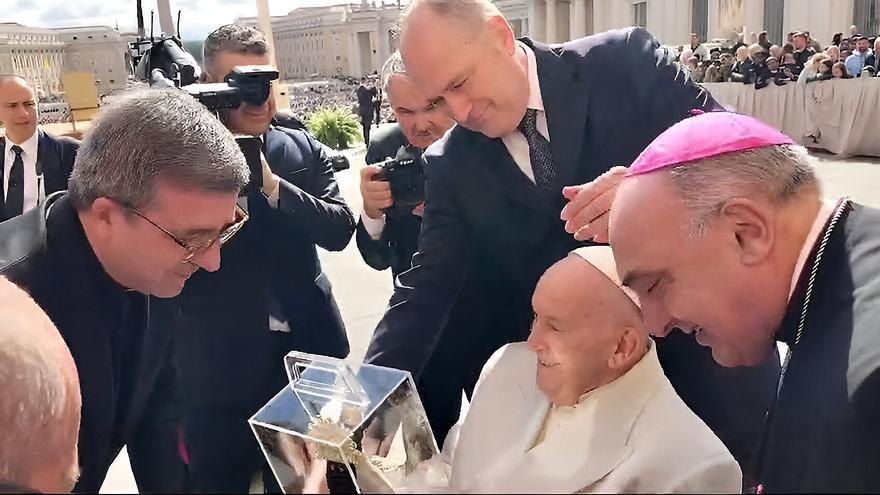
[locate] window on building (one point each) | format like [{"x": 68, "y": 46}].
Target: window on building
[
  {"x": 865, "y": 16},
  {"x": 640, "y": 14},
  {"x": 700, "y": 19}
]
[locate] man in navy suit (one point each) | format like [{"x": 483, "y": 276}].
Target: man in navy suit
[
  {"x": 532, "y": 119},
  {"x": 34, "y": 164},
  {"x": 270, "y": 296}
]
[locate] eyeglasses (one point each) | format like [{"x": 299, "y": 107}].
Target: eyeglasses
[{"x": 194, "y": 248}]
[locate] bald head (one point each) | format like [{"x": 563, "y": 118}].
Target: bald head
[
  {"x": 587, "y": 332},
  {"x": 40, "y": 403},
  {"x": 18, "y": 108},
  {"x": 469, "y": 14}
]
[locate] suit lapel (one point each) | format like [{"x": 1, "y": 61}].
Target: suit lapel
[
  {"x": 566, "y": 99},
  {"x": 2, "y": 173},
  {"x": 48, "y": 163},
  {"x": 513, "y": 182}
]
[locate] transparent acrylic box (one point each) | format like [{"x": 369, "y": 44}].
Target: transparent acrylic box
[{"x": 343, "y": 429}]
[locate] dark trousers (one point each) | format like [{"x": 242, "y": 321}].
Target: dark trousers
[
  {"x": 366, "y": 123},
  {"x": 224, "y": 454}
]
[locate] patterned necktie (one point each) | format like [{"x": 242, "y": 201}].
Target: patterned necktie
[
  {"x": 15, "y": 189},
  {"x": 540, "y": 153}
]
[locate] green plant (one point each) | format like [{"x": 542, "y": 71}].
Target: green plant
[{"x": 335, "y": 127}]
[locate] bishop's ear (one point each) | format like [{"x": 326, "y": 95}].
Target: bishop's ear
[{"x": 751, "y": 227}]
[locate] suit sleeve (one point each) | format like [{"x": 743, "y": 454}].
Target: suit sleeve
[
  {"x": 376, "y": 252},
  {"x": 154, "y": 451},
  {"x": 322, "y": 213},
  {"x": 423, "y": 295},
  {"x": 664, "y": 89},
  {"x": 70, "y": 147}
]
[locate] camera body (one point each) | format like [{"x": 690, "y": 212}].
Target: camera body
[
  {"x": 246, "y": 84},
  {"x": 167, "y": 64},
  {"x": 406, "y": 176}
]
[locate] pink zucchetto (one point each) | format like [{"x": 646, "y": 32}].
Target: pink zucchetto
[{"x": 705, "y": 135}]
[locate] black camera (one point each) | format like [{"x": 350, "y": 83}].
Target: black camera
[
  {"x": 406, "y": 176},
  {"x": 246, "y": 84},
  {"x": 249, "y": 84}
]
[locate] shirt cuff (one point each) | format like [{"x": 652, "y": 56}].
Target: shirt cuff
[
  {"x": 274, "y": 198},
  {"x": 374, "y": 226}
]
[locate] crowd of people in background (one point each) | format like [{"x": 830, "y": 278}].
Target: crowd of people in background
[
  {"x": 801, "y": 59},
  {"x": 338, "y": 92}
]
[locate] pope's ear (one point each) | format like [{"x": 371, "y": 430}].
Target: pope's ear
[{"x": 629, "y": 346}]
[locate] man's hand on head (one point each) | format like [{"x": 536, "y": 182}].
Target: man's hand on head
[{"x": 586, "y": 214}]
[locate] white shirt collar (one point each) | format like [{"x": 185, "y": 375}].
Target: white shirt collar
[
  {"x": 535, "y": 100},
  {"x": 29, "y": 147}
]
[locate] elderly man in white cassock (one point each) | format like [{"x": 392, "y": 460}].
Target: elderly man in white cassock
[{"x": 583, "y": 406}]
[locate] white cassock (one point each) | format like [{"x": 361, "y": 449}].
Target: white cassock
[{"x": 632, "y": 435}]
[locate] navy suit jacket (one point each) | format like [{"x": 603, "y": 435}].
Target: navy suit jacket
[
  {"x": 481, "y": 210},
  {"x": 55, "y": 158},
  {"x": 229, "y": 361}
]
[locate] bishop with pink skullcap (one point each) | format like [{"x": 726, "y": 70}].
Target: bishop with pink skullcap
[
  {"x": 706, "y": 135},
  {"x": 774, "y": 263}
]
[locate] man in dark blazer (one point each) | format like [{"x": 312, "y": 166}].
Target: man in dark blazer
[
  {"x": 494, "y": 190},
  {"x": 148, "y": 205},
  {"x": 34, "y": 164},
  {"x": 271, "y": 295},
  {"x": 391, "y": 240}
]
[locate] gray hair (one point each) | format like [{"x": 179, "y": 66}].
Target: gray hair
[
  {"x": 38, "y": 380},
  {"x": 392, "y": 67},
  {"x": 233, "y": 38},
  {"x": 777, "y": 173},
  {"x": 152, "y": 135},
  {"x": 469, "y": 13}
]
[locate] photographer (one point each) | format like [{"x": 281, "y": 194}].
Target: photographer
[
  {"x": 390, "y": 240},
  {"x": 270, "y": 297},
  {"x": 151, "y": 199}
]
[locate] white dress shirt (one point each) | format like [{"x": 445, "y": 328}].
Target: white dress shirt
[
  {"x": 32, "y": 191},
  {"x": 515, "y": 142}
]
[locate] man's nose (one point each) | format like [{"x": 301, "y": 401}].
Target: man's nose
[
  {"x": 657, "y": 318},
  {"x": 209, "y": 260},
  {"x": 458, "y": 107},
  {"x": 534, "y": 341}
]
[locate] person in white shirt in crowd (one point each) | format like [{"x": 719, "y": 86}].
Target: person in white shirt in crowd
[
  {"x": 698, "y": 49},
  {"x": 812, "y": 68},
  {"x": 584, "y": 406},
  {"x": 856, "y": 61},
  {"x": 34, "y": 163},
  {"x": 40, "y": 400}
]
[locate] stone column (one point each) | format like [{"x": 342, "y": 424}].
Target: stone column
[
  {"x": 537, "y": 21},
  {"x": 551, "y": 22},
  {"x": 714, "y": 24},
  {"x": 578, "y": 19},
  {"x": 753, "y": 16}
]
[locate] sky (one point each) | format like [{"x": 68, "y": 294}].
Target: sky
[{"x": 199, "y": 17}]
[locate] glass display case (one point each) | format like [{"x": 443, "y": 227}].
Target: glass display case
[{"x": 348, "y": 429}]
